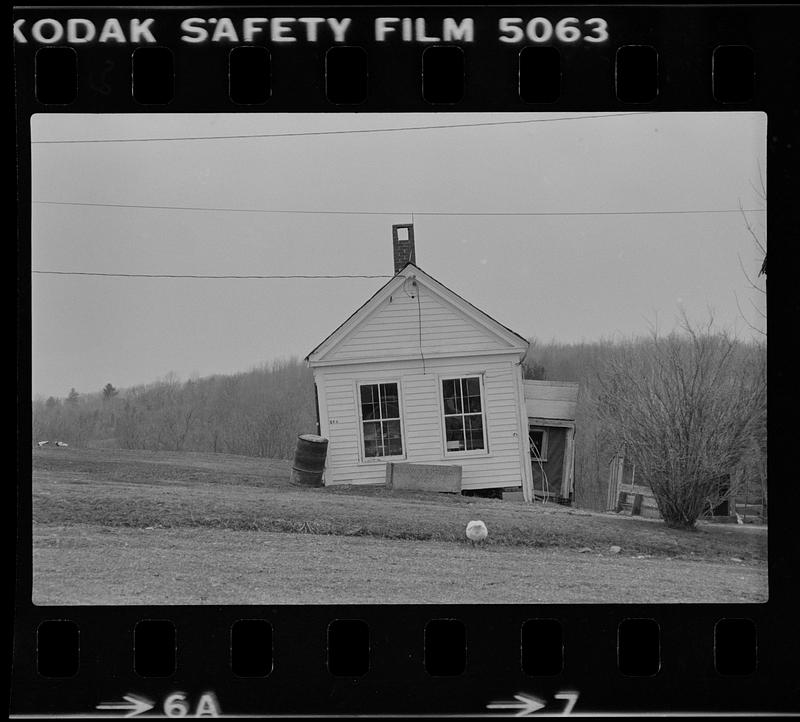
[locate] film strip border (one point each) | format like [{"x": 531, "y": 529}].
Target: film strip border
[
  {"x": 399, "y": 59},
  {"x": 401, "y": 660},
  {"x": 419, "y": 660},
  {"x": 346, "y": 75}
]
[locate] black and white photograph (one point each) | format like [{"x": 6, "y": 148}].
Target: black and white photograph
[{"x": 399, "y": 358}]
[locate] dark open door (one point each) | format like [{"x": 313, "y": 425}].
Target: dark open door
[{"x": 547, "y": 444}]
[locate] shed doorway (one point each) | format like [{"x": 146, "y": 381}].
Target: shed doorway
[{"x": 547, "y": 448}]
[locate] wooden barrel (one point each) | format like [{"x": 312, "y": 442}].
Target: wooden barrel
[{"x": 309, "y": 460}]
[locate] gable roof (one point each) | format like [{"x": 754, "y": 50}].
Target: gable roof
[{"x": 510, "y": 340}]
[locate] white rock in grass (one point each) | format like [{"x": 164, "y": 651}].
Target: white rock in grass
[
  {"x": 615, "y": 549},
  {"x": 477, "y": 532}
]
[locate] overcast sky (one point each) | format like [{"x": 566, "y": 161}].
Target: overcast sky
[{"x": 563, "y": 276}]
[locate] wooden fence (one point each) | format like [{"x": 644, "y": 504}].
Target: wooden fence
[
  {"x": 748, "y": 503},
  {"x": 637, "y": 500}
]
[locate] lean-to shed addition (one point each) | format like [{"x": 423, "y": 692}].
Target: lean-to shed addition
[
  {"x": 551, "y": 410},
  {"x": 420, "y": 375}
]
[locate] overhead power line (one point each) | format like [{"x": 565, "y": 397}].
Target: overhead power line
[
  {"x": 403, "y": 213},
  {"x": 353, "y": 131},
  {"x": 191, "y": 275}
]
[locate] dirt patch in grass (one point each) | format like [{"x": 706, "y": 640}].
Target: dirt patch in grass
[{"x": 163, "y": 490}]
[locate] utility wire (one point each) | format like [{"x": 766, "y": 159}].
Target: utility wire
[
  {"x": 339, "y": 132},
  {"x": 176, "y": 275},
  {"x": 397, "y": 213},
  {"x": 224, "y": 210}
]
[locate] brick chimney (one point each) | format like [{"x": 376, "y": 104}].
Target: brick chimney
[{"x": 403, "y": 245}]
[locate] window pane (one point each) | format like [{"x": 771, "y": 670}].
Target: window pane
[
  {"x": 474, "y": 431},
  {"x": 454, "y": 433},
  {"x": 451, "y": 390},
  {"x": 378, "y": 403},
  {"x": 369, "y": 399},
  {"x": 391, "y": 429},
  {"x": 472, "y": 402},
  {"x": 394, "y": 442},
  {"x": 372, "y": 431},
  {"x": 366, "y": 394},
  {"x": 390, "y": 403}
]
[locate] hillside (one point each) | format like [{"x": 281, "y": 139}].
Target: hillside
[{"x": 170, "y": 490}]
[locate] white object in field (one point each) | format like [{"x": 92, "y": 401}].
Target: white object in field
[
  {"x": 42, "y": 443},
  {"x": 477, "y": 532},
  {"x": 61, "y": 443}
]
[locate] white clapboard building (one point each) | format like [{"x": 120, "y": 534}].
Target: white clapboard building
[{"x": 418, "y": 375}]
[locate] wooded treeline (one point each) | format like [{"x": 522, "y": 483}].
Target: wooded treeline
[
  {"x": 254, "y": 413},
  {"x": 260, "y": 412}
]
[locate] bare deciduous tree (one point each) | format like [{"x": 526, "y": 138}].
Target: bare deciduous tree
[
  {"x": 687, "y": 408},
  {"x": 754, "y": 280}
]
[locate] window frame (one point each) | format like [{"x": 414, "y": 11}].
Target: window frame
[
  {"x": 543, "y": 451},
  {"x": 362, "y": 452},
  {"x": 460, "y": 453}
]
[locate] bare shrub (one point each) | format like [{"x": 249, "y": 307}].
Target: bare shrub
[{"x": 687, "y": 408}]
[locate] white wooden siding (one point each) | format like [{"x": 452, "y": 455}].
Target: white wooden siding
[
  {"x": 422, "y": 419},
  {"x": 393, "y": 329},
  {"x": 551, "y": 399}
]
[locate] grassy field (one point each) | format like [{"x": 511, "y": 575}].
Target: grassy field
[{"x": 139, "y": 527}]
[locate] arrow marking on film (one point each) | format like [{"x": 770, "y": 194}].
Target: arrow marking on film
[
  {"x": 525, "y": 704},
  {"x": 135, "y": 704}
]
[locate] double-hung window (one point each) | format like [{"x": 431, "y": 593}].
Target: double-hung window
[
  {"x": 463, "y": 412},
  {"x": 380, "y": 420}
]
